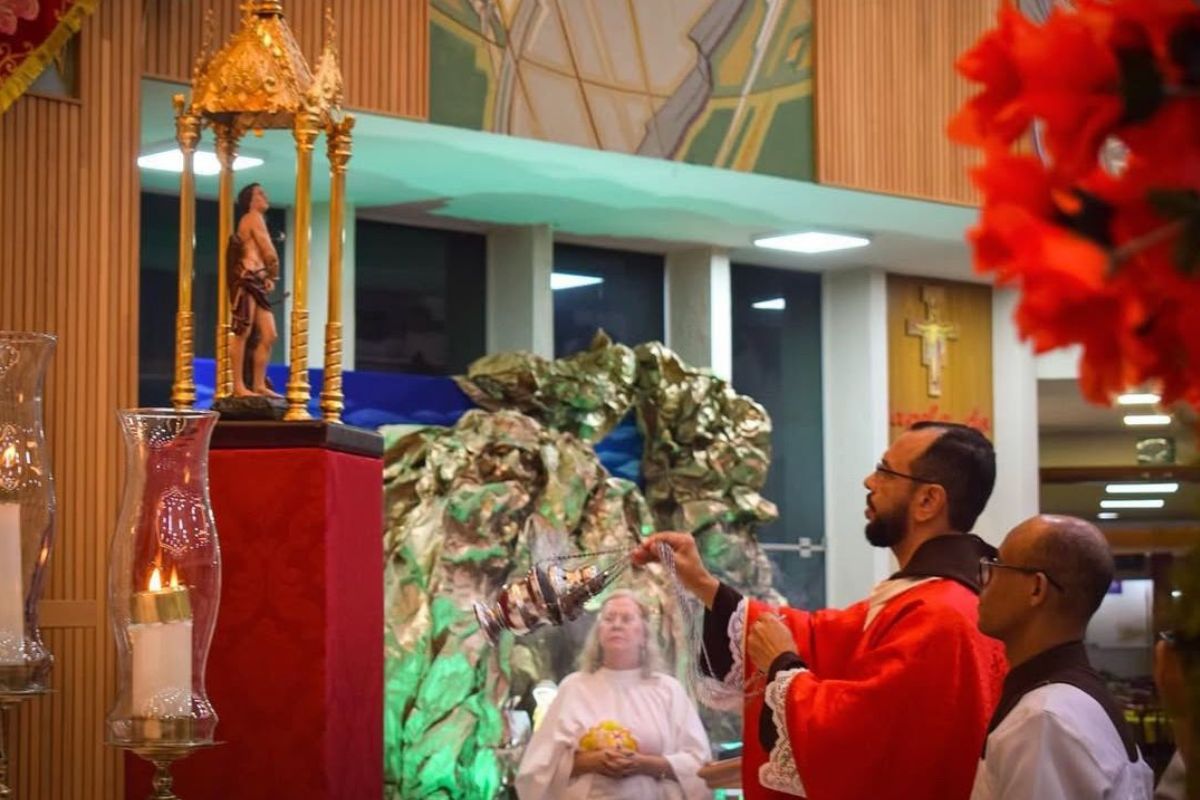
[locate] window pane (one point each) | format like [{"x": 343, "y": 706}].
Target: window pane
[
  {"x": 420, "y": 299},
  {"x": 777, "y": 361},
  {"x": 801, "y": 580},
  {"x": 619, "y": 291}
]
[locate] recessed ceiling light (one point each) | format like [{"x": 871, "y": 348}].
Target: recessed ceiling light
[
  {"x": 569, "y": 280},
  {"x": 811, "y": 242},
  {"x": 1108, "y": 515},
  {"x": 1142, "y": 488},
  {"x": 1157, "y": 502},
  {"x": 1176, "y": 593},
  {"x": 774, "y": 304},
  {"x": 1138, "y": 399},
  {"x": 1148, "y": 419},
  {"x": 203, "y": 162}
]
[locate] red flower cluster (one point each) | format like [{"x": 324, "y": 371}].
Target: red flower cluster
[{"x": 1106, "y": 251}]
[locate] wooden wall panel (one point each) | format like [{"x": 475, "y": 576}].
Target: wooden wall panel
[
  {"x": 68, "y": 265},
  {"x": 967, "y": 375},
  {"x": 384, "y": 45},
  {"x": 885, "y": 89}
]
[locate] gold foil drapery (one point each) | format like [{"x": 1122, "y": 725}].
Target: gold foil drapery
[
  {"x": 259, "y": 80},
  {"x": 704, "y": 462},
  {"x": 706, "y": 449},
  {"x": 586, "y": 394}
]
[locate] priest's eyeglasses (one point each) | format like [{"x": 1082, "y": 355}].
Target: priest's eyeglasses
[
  {"x": 880, "y": 467},
  {"x": 988, "y": 565}
]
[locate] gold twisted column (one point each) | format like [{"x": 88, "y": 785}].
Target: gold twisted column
[
  {"x": 187, "y": 133},
  {"x": 339, "y": 156},
  {"x": 227, "y": 141},
  {"x": 306, "y": 128}
]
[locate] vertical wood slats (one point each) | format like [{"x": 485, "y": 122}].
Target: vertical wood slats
[
  {"x": 383, "y": 46},
  {"x": 69, "y": 227},
  {"x": 69, "y": 224},
  {"x": 885, "y": 89}
]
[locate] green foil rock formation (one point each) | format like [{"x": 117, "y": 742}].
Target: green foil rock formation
[{"x": 470, "y": 506}]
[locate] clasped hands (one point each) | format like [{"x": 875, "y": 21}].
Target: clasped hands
[
  {"x": 613, "y": 762},
  {"x": 769, "y": 637}
]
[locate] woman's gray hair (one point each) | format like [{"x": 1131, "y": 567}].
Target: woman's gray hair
[{"x": 591, "y": 658}]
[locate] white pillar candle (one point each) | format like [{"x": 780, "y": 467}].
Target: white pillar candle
[
  {"x": 160, "y": 639},
  {"x": 12, "y": 595}
]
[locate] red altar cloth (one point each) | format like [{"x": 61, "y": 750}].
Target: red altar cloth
[{"x": 295, "y": 672}]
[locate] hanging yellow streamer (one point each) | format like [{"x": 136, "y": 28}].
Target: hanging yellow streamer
[{"x": 31, "y": 67}]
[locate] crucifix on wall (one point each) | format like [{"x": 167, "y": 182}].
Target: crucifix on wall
[{"x": 936, "y": 334}]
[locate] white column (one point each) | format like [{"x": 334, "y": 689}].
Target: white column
[
  {"x": 520, "y": 304},
  {"x": 318, "y": 285},
  {"x": 699, "y": 309},
  {"x": 1015, "y": 425},
  {"x": 854, "y": 358},
  {"x": 1060, "y": 364}
]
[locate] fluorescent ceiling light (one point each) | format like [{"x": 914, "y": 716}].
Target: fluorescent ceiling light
[
  {"x": 1142, "y": 488},
  {"x": 1138, "y": 399},
  {"x": 203, "y": 162},
  {"x": 774, "y": 304},
  {"x": 569, "y": 280},
  {"x": 1157, "y": 502},
  {"x": 1108, "y": 515},
  {"x": 1147, "y": 419},
  {"x": 812, "y": 242}
]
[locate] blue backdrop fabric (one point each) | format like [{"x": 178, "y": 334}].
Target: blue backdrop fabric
[{"x": 374, "y": 399}]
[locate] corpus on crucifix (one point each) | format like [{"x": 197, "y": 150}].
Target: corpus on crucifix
[{"x": 936, "y": 334}]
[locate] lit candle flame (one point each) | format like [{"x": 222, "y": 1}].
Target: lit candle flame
[
  {"x": 155, "y": 584},
  {"x": 174, "y": 579}
]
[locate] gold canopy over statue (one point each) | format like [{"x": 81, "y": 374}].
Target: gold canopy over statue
[{"x": 259, "y": 80}]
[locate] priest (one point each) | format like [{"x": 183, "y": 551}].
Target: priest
[{"x": 887, "y": 698}]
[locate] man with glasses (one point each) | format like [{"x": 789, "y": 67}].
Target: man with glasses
[
  {"x": 1057, "y": 731},
  {"x": 891, "y": 696}
]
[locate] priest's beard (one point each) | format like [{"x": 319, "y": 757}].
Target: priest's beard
[{"x": 888, "y": 530}]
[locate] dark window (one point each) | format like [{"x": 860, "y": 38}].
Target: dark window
[
  {"x": 419, "y": 299},
  {"x": 159, "y": 290},
  {"x": 777, "y": 361},
  {"x": 623, "y": 295}
]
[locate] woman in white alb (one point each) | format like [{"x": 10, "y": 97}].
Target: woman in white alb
[{"x": 618, "y": 729}]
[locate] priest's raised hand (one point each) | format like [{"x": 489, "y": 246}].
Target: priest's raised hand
[{"x": 688, "y": 566}]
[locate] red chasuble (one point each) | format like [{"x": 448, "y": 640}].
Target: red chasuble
[{"x": 894, "y": 701}]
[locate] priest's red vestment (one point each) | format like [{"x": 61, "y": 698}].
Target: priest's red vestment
[{"x": 892, "y": 699}]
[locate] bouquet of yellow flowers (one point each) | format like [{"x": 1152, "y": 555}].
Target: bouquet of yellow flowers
[{"x": 608, "y": 734}]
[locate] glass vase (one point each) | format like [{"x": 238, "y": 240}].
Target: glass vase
[
  {"x": 26, "y": 511},
  {"x": 164, "y": 582}
]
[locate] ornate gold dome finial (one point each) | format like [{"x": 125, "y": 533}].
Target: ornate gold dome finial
[
  {"x": 326, "y": 92},
  {"x": 201, "y": 63},
  {"x": 259, "y": 79}
]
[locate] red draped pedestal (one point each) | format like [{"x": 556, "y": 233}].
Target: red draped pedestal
[{"x": 295, "y": 672}]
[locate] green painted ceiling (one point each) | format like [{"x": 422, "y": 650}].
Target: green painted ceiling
[{"x": 418, "y": 169}]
